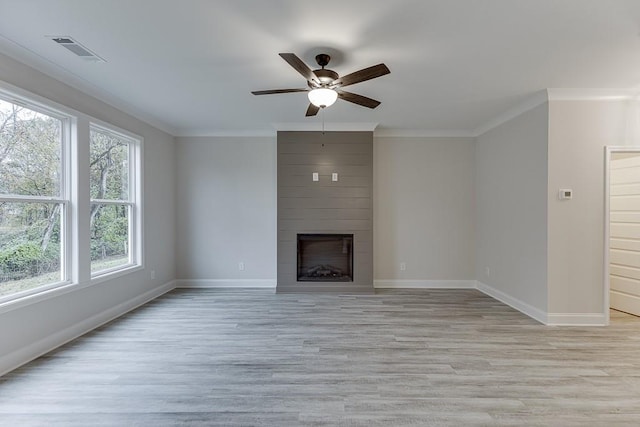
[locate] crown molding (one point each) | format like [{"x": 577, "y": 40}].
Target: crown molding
[
  {"x": 229, "y": 133},
  {"x": 336, "y": 127},
  {"x": 422, "y": 133},
  {"x": 576, "y": 94},
  {"x": 328, "y": 127},
  {"x": 280, "y": 127},
  {"x": 538, "y": 98},
  {"x": 558, "y": 94}
]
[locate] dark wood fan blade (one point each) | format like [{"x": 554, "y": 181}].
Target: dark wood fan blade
[
  {"x": 312, "y": 110},
  {"x": 362, "y": 75},
  {"x": 272, "y": 91},
  {"x": 358, "y": 99},
  {"x": 297, "y": 63}
]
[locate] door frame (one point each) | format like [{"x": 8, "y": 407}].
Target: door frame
[{"x": 608, "y": 151}]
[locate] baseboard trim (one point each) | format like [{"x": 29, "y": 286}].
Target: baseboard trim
[
  {"x": 512, "y": 302},
  {"x": 623, "y": 301},
  {"x": 551, "y": 319},
  {"x": 378, "y": 284},
  {"x": 424, "y": 284},
  {"x": 576, "y": 319},
  {"x": 323, "y": 289},
  {"x": 26, "y": 354},
  {"x": 226, "y": 283}
]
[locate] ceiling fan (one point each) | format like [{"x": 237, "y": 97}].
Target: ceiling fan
[{"x": 325, "y": 86}]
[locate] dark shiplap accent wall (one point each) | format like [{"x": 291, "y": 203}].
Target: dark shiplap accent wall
[{"x": 305, "y": 206}]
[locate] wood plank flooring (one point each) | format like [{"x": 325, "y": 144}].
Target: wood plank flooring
[{"x": 396, "y": 358}]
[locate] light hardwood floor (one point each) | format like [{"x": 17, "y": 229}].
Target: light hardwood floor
[{"x": 396, "y": 358}]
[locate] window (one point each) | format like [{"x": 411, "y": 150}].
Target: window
[
  {"x": 114, "y": 216},
  {"x": 51, "y": 234},
  {"x": 33, "y": 198}
]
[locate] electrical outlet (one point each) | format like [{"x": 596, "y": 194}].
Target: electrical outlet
[
  {"x": 241, "y": 266},
  {"x": 152, "y": 273},
  {"x": 565, "y": 194},
  {"x": 487, "y": 270},
  {"x": 403, "y": 266}
]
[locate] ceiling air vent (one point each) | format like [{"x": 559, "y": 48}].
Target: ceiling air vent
[{"x": 76, "y": 48}]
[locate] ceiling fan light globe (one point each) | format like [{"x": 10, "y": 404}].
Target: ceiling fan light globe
[{"x": 322, "y": 97}]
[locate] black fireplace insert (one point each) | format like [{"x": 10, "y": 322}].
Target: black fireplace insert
[{"x": 325, "y": 257}]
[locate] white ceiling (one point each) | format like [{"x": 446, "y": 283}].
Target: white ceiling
[{"x": 188, "y": 66}]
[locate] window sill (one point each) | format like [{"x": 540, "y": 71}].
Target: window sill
[
  {"x": 102, "y": 276},
  {"x": 64, "y": 288}
]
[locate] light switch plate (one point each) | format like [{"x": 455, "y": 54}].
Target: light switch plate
[
  {"x": 315, "y": 176},
  {"x": 334, "y": 177}
]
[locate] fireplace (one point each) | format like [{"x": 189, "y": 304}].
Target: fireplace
[
  {"x": 325, "y": 225},
  {"x": 325, "y": 258}
]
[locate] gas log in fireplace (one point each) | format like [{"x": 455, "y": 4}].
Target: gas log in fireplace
[{"x": 325, "y": 257}]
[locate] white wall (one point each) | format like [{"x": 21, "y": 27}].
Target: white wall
[
  {"x": 578, "y": 133},
  {"x": 28, "y": 331},
  {"x": 226, "y": 198},
  {"x": 511, "y": 194},
  {"x": 424, "y": 211}
]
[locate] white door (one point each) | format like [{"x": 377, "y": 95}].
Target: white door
[{"x": 624, "y": 255}]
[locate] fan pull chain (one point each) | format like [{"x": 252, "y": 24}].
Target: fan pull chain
[{"x": 322, "y": 112}]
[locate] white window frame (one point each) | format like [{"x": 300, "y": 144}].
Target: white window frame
[
  {"x": 134, "y": 202},
  {"x": 74, "y": 195},
  {"x": 64, "y": 198}
]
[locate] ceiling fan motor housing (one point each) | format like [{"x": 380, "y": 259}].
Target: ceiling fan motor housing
[{"x": 325, "y": 76}]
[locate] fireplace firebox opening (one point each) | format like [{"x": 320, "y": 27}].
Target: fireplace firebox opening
[{"x": 325, "y": 257}]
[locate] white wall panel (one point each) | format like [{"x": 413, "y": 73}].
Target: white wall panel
[
  {"x": 226, "y": 208},
  {"x": 424, "y": 209},
  {"x": 511, "y": 187}
]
